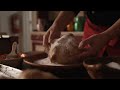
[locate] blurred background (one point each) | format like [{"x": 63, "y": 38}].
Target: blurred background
[{"x": 29, "y": 27}]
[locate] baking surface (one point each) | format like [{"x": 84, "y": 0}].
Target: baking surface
[
  {"x": 46, "y": 61},
  {"x": 9, "y": 72},
  {"x": 3, "y": 76}
]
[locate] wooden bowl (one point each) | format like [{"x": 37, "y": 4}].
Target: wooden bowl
[
  {"x": 64, "y": 71},
  {"x": 14, "y": 62},
  {"x": 99, "y": 68}
]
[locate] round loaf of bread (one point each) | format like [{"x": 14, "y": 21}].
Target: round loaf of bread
[{"x": 64, "y": 50}]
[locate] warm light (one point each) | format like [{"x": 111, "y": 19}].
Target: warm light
[
  {"x": 68, "y": 26},
  {"x": 23, "y": 55}
]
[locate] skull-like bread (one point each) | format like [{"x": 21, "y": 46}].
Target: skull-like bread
[{"x": 64, "y": 50}]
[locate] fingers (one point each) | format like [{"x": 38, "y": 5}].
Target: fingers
[
  {"x": 50, "y": 38},
  {"x": 80, "y": 57},
  {"x": 45, "y": 39},
  {"x": 83, "y": 43},
  {"x": 82, "y": 50},
  {"x": 53, "y": 35},
  {"x": 88, "y": 41},
  {"x": 85, "y": 53}
]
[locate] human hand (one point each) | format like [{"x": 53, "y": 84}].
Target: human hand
[
  {"x": 52, "y": 34},
  {"x": 92, "y": 45}
]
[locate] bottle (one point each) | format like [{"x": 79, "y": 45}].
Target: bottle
[{"x": 79, "y": 23}]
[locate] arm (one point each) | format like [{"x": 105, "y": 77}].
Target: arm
[
  {"x": 63, "y": 19},
  {"x": 113, "y": 31},
  {"x": 98, "y": 41},
  {"x": 58, "y": 25}
]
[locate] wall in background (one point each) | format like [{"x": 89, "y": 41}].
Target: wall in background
[
  {"x": 5, "y": 21},
  {"x": 25, "y": 34}
]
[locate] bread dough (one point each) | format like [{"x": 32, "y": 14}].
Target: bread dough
[{"x": 64, "y": 50}]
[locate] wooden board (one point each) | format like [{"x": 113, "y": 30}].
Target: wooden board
[{"x": 9, "y": 72}]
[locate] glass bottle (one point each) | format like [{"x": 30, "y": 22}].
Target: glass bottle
[{"x": 79, "y": 23}]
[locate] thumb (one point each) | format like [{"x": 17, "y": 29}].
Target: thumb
[
  {"x": 45, "y": 39},
  {"x": 50, "y": 37},
  {"x": 83, "y": 43},
  {"x": 53, "y": 36}
]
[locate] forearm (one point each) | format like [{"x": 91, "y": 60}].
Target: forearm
[
  {"x": 113, "y": 31},
  {"x": 63, "y": 19}
]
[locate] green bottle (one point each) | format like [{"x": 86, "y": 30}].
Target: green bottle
[{"x": 79, "y": 23}]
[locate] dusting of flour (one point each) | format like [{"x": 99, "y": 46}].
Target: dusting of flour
[
  {"x": 114, "y": 65},
  {"x": 46, "y": 61},
  {"x": 3, "y": 76}
]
